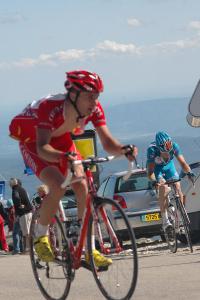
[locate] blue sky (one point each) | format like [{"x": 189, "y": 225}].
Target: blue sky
[{"x": 143, "y": 49}]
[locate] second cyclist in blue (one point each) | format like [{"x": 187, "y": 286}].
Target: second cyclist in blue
[{"x": 161, "y": 167}]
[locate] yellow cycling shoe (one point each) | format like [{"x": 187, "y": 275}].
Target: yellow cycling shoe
[
  {"x": 99, "y": 259},
  {"x": 43, "y": 249}
]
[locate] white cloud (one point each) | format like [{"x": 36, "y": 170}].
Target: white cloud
[
  {"x": 134, "y": 22},
  {"x": 194, "y": 25},
  {"x": 25, "y": 62},
  {"x": 112, "y": 46},
  {"x": 106, "y": 48},
  {"x": 49, "y": 59},
  {"x": 12, "y": 18},
  {"x": 70, "y": 54},
  {"x": 177, "y": 45},
  {"x": 74, "y": 54}
]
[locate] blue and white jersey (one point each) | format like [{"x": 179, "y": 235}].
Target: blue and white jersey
[{"x": 154, "y": 154}]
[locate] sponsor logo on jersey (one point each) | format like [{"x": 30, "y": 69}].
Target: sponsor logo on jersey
[{"x": 158, "y": 160}]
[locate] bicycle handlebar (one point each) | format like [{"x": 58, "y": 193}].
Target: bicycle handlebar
[
  {"x": 172, "y": 181},
  {"x": 168, "y": 182},
  {"x": 93, "y": 161}
]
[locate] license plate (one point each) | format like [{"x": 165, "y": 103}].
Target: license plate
[{"x": 151, "y": 217}]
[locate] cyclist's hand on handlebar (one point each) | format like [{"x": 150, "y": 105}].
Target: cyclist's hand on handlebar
[
  {"x": 130, "y": 151},
  {"x": 67, "y": 158},
  {"x": 154, "y": 184},
  {"x": 191, "y": 176},
  {"x": 157, "y": 184},
  {"x": 70, "y": 155}
]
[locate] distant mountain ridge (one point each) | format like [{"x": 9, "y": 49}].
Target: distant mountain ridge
[{"x": 138, "y": 119}]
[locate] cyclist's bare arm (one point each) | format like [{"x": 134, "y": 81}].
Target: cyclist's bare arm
[
  {"x": 111, "y": 145},
  {"x": 45, "y": 150},
  {"x": 185, "y": 167},
  {"x": 150, "y": 171}
]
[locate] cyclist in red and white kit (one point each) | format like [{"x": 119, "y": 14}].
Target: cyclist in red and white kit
[{"x": 44, "y": 132}]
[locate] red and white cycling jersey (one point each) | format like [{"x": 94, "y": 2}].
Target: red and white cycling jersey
[{"x": 48, "y": 113}]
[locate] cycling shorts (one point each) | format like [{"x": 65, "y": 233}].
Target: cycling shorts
[
  {"x": 37, "y": 164},
  {"x": 167, "y": 172}
]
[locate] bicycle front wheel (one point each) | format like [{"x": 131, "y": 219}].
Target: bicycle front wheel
[
  {"x": 171, "y": 238},
  {"x": 184, "y": 220},
  {"x": 114, "y": 238},
  {"x": 53, "y": 278}
]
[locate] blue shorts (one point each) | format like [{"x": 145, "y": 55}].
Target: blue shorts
[{"x": 167, "y": 172}]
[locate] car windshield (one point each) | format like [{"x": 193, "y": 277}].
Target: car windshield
[
  {"x": 68, "y": 203},
  {"x": 136, "y": 182}
]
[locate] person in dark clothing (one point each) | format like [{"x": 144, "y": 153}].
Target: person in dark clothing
[{"x": 23, "y": 214}]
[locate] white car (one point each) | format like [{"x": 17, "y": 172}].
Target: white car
[
  {"x": 138, "y": 199},
  {"x": 192, "y": 205},
  {"x": 70, "y": 206}
]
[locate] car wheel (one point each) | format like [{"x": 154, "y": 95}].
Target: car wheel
[
  {"x": 162, "y": 235},
  {"x": 195, "y": 237}
]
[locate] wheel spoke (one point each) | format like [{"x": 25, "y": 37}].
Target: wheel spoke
[{"x": 117, "y": 280}]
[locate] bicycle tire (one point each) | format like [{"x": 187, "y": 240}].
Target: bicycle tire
[
  {"x": 185, "y": 221},
  {"x": 117, "y": 281},
  {"x": 173, "y": 218},
  {"x": 53, "y": 279}
]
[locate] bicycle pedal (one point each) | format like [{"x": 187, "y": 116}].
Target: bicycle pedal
[
  {"x": 103, "y": 269},
  {"x": 40, "y": 266},
  {"x": 85, "y": 265}
]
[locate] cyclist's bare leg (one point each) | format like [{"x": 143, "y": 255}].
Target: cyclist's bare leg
[
  {"x": 81, "y": 190},
  {"x": 163, "y": 193},
  {"x": 178, "y": 189},
  {"x": 163, "y": 201},
  {"x": 53, "y": 178}
]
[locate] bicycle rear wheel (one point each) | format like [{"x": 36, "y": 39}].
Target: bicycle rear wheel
[
  {"x": 173, "y": 218},
  {"x": 184, "y": 219},
  {"x": 54, "y": 278},
  {"x": 112, "y": 232}
]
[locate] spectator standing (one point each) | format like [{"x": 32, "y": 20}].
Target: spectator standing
[
  {"x": 42, "y": 191},
  {"x": 23, "y": 215}
]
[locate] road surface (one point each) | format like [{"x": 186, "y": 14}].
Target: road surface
[{"x": 162, "y": 275}]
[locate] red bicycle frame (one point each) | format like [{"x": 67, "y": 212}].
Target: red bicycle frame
[{"x": 76, "y": 250}]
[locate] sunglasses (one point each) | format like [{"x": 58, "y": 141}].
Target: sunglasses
[{"x": 166, "y": 147}]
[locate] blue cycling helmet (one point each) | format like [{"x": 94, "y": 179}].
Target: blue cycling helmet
[{"x": 163, "y": 141}]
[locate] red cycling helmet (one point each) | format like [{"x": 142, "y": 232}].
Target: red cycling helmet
[{"x": 82, "y": 80}]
